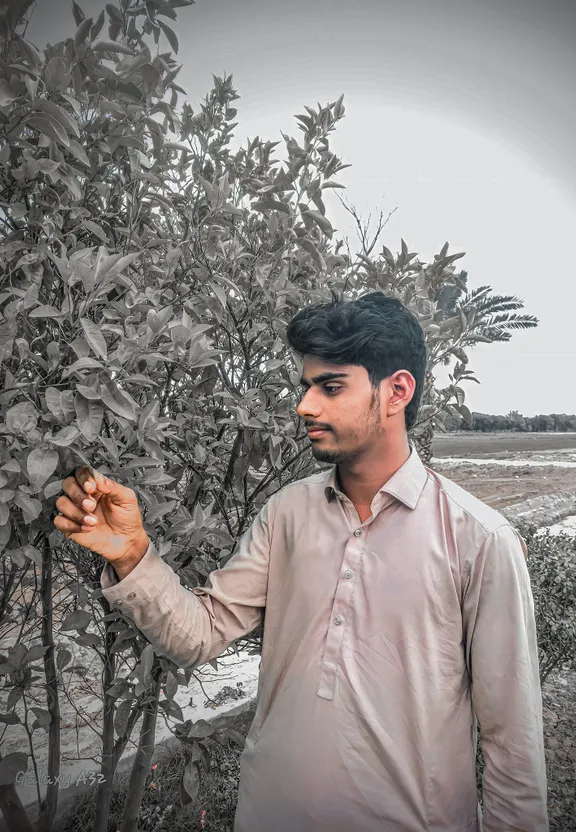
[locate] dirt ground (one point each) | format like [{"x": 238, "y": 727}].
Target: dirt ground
[{"x": 518, "y": 466}]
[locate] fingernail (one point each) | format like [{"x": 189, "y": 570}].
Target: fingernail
[
  {"x": 89, "y": 504},
  {"x": 89, "y": 486},
  {"x": 90, "y": 520}
]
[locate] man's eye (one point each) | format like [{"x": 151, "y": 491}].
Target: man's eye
[{"x": 331, "y": 389}]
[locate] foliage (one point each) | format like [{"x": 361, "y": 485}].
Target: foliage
[
  {"x": 148, "y": 272},
  {"x": 552, "y": 566},
  {"x": 513, "y": 421}
]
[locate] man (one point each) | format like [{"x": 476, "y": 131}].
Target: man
[{"x": 397, "y": 610}]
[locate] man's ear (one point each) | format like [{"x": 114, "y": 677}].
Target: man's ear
[{"x": 402, "y": 386}]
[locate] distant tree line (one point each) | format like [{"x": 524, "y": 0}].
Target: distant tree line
[{"x": 513, "y": 421}]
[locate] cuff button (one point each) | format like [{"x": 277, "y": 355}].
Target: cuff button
[
  {"x": 131, "y": 595},
  {"x": 118, "y": 603}
]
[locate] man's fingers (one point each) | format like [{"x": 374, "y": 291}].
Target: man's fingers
[
  {"x": 115, "y": 491},
  {"x": 70, "y": 510},
  {"x": 63, "y": 524},
  {"x": 79, "y": 497}
]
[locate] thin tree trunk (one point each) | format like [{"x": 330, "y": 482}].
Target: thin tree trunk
[
  {"x": 142, "y": 763},
  {"x": 109, "y": 762},
  {"x": 49, "y": 805},
  {"x": 15, "y": 814}
]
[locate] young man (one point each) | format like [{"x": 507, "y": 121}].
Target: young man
[{"x": 397, "y": 610}]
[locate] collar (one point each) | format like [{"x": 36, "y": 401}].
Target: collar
[{"x": 405, "y": 485}]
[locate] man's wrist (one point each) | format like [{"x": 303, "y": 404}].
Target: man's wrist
[{"x": 126, "y": 564}]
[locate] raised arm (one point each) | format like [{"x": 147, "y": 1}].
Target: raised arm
[{"x": 190, "y": 626}]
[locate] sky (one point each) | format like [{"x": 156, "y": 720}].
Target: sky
[{"x": 460, "y": 118}]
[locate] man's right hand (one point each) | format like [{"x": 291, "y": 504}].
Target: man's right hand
[{"x": 103, "y": 516}]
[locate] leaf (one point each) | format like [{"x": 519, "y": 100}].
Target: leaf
[
  {"x": 41, "y": 463},
  {"x": 191, "y": 781},
  {"x": 65, "y": 436},
  {"x": 10, "y": 719},
  {"x": 7, "y": 96},
  {"x": 309, "y": 246},
  {"x": 60, "y": 403},
  {"x": 31, "y": 508},
  {"x": 82, "y": 31},
  {"x": 118, "y": 401},
  {"x": 55, "y": 75},
  {"x": 89, "y": 416},
  {"x": 146, "y": 661},
  {"x": 320, "y": 221},
  {"x": 43, "y": 717},
  {"x": 63, "y": 658},
  {"x": 170, "y": 35},
  {"x": 121, "y": 717},
  {"x": 238, "y": 738},
  {"x": 111, "y": 46},
  {"x": 76, "y": 620},
  {"x": 34, "y": 653},
  {"x": 94, "y": 337},
  {"x": 50, "y": 127},
  {"x": 11, "y": 765},
  {"x": 59, "y": 114},
  {"x": 21, "y": 417},
  {"x": 114, "y": 13},
  {"x": 53, "y": 488},
  {"x": 82, "y": 364},
  {"x": 78, "y": 13},
  {"x": 79, "y": 152},
  {"x": 46, "y": 311}
]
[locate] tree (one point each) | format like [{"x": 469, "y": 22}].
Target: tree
[{"x": 148, "y": 275}]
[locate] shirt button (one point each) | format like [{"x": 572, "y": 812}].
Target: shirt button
[
  {"x": 348, "y": 574},
  {"x": 358, "y": 532},
  {"x": 131, "y": 595},
  {"x": 118, "y": 603},
  {"x": 338, "y": 619}
]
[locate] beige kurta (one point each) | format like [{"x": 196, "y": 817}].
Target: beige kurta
[{"x": 383, "y": 641}]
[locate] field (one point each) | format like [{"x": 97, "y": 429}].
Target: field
[{"x": 513, "y": 471}]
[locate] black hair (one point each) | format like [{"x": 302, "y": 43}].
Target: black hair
[{"x": 375, "y": 331}]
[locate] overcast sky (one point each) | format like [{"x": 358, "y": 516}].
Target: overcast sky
[{"x": 460, "y": 113}]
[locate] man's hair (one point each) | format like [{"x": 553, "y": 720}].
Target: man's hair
[{"x": 375, "y": 332}]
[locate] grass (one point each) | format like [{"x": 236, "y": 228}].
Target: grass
[{"x": 162, "y": 809}]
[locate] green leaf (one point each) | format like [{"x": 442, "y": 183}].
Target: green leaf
[
  {"x": 320, "y": 221},
  {"x": 55, "y": 75},
  {"x": 82, "y": 364},
  {"x": 41, "y": 463},
  {"x": 78, "y": 13},
  {"x": 121, "y": 717},
  {"x": 11, "y": 765},
  {"x": 95, "y": 337},
  {"x": 46, "y": 311}
]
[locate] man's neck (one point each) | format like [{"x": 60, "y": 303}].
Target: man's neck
[{"x": 362, "y": 480}]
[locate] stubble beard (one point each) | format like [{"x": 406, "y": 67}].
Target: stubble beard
[{"x": 359, "y": 438}]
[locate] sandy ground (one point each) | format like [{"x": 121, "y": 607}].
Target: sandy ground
[{"x": 506, "y": 470}]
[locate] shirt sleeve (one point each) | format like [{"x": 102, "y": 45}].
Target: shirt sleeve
[
  {"x": 502, "y": 657},
  {"x": 193, "y": 626}
]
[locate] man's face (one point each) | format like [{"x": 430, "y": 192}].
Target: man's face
[{"x": 341, "y": 400}]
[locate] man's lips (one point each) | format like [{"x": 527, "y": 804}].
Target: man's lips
[{"x": 314, "y": 433}]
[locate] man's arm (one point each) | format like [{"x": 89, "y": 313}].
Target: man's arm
[
  {"x": 502, "y": 657},
  {"x": 193, "y": 626}
]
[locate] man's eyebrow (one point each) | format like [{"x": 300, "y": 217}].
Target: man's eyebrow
[{"x": 323, "y": 377}]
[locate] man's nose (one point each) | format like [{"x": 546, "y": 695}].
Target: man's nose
[{"x": 308, "y": 406}]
